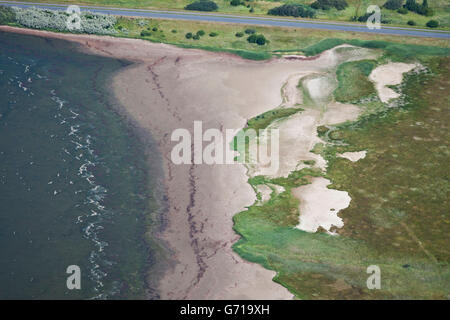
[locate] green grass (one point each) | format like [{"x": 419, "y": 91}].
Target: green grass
[
  {"x": 262, "y": 121},
  {"x": 395, "y": 51},
  {"x": 353, "y": 83},
  {"x": 397, "y": 218}
]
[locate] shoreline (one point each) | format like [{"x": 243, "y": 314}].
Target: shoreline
[
  {"x": 168, "y": 88},
  {"x": 211, "y": 268}
]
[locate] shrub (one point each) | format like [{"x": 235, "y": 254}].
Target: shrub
[
  {"x": 257, "y": 38},
  {"x": 411, "y": 23},
  {"x": 200, "y": 33},
  {"x": 174, "y": 31},
  {"x": 293, "y": 10},
  {"x": 327, "y": 4},
  {"x": 202, "y": 5},
  {"x": 250, "y": 31},
  {"x": 213, "y": 34},
  {"x": 57, "y": 20},
  {"x": 239, "y": 34},
  {"x": 7, "y": 15},
  {"x": 251, "y": 10},
  {"x": 432, "y": 24},
  {"x": 236, "y": 2},
  {"x": 145, "y": 33},
  {"x": 155, "y": 29},
  {"x": 188, "y": 35},
  {"x": 196, "y": 37},
  {"x": 422, "y": 9},
  {"x": 393, "y": 4},
  {"x": 402, "y": 11}
]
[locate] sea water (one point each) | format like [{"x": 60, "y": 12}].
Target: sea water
[{"x": 76, "y": 187}]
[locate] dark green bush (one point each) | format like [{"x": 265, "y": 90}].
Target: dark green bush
[
  {"x": 200, "y": 33},
  {"x": 213, "y": 34},
  {"x": 257, "y": 38},
  {"x": 7, "y": 15},
  {"x": 327, "y": 4},
  {"x": 155, "y": 29},
  {"x": 202, "y": 5},
  {"x": 393, "y": 4},
  {"x": 236, "y": 3},
  {"x": 145, "y": 33},
  {"x": 188, "y": 35},
  {"x": 422, "y": 9},
  {"x": 402, "y": 11},
  {"x": 293, "y": 10},
  {"x": 250, "y": 31},
  {"x": 411, "y": 22},
  {"x": 174, "y": 31},
  {"x": 196, "y": 37},
  {"x": 239, "y": 34},
  {"x": 432, "y": 24}
]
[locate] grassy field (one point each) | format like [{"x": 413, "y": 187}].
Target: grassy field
[
  {"x": 397, "y": 218},
  {"x": 356, "y": 7},
  {"x": 353, "y": 83},
  {"x": 281, "y": 40}
]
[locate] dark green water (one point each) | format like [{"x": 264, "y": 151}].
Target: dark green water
[{"x": 75, "y": 185}]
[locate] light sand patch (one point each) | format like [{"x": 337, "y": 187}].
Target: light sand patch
[
  {"x": 298, "y": 135},
  {"x": 319, "y": 88},
  {"x": 337, "y": 112},
  {"x": 264, "y": 191},
  {"x": 319, "y": 206},
  {"x": 292, "y": 95},
  {"x": 278, "y": 189},
  {"x": 353, "y": 156},
  {"x": 389, "y": 74}
]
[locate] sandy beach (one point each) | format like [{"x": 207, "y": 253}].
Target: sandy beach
[{"x": 169, "y": 88}]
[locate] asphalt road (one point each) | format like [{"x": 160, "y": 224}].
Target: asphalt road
[{"x": 263, "y": 21}]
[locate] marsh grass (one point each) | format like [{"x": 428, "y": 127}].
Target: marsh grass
[
  {"x": 353, "y": 82},
  {"x": 396, "y": 219}
]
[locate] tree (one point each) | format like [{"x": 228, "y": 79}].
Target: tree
[
  {"x": 393, "y": 4},
  {"x": 327, "y": 4},
  {"x": 202, "y": 5},
  {"x": 293, "y": 10},
  {"x": 433, "y": 24}
]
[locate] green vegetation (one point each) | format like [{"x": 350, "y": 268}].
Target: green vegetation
[
  {"x": 433, "y": 24},
  {"x": 353, "y": 83},
  {"x": 145, "y": 33},
  {"x": 278, "y": 40},
  {"x": 7, "y": 15},
  {"x": 392, "y": 50},
  {"x": 293, "y": 10},
  {"x": 257, "y": 38},
  {"x": 405, "y": 234},
  {"x": 262, "y": 121},
  {"x": 356, "y": 8},
  {"x": 393, "y": 4},
  {"x": 239, "y": 34},
  {"x": 328, "y": 4},
  {"x": 202, "y": 5}
]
